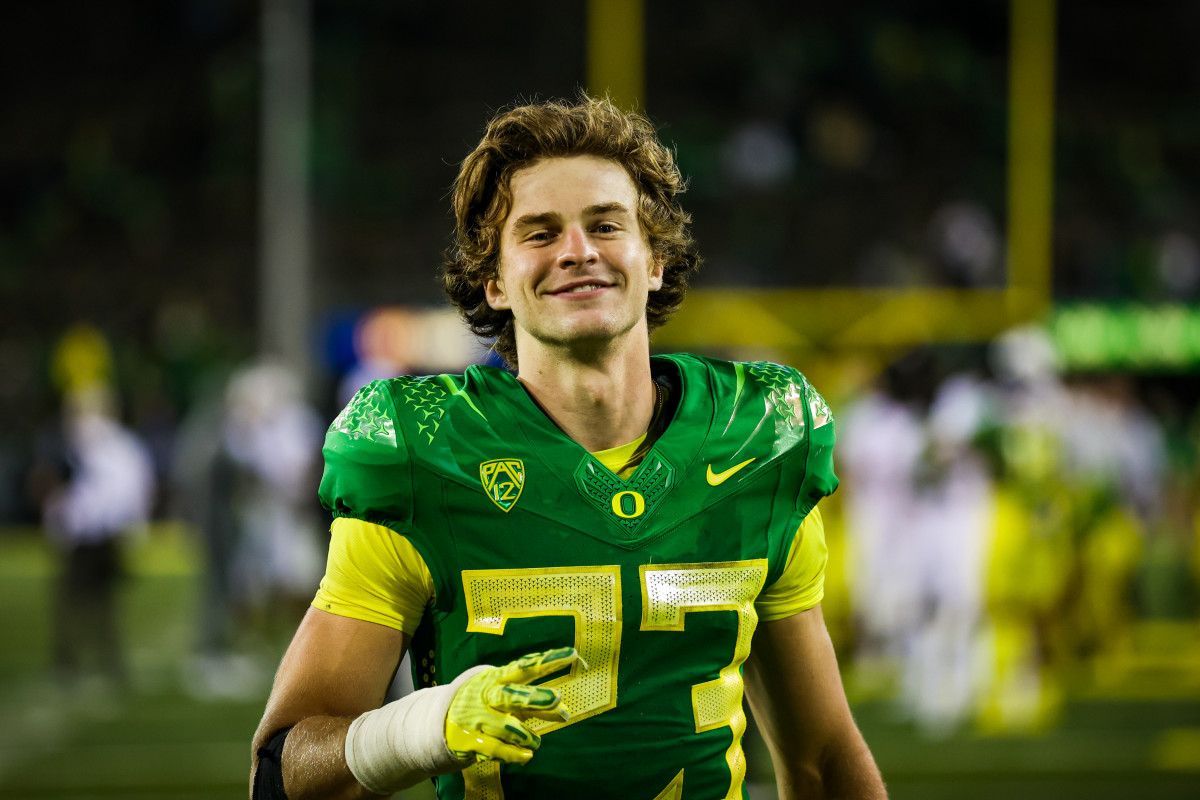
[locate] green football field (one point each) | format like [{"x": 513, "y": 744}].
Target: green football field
[{"x": 182, "y": 732}]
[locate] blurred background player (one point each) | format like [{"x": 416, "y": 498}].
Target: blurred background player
[
  {"x": 243, "y": 471},
  {"x": 96, "y": 483}
]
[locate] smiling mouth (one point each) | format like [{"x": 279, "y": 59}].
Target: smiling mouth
[{"x": 583, "y": 287}]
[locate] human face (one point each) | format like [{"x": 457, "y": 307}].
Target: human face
[{"x": 575, "y": 266}]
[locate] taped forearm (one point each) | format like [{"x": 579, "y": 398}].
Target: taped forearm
[{"x": 404, "y": 743}]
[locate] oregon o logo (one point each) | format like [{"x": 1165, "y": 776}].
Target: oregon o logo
[{"x": 628, "y": 505}]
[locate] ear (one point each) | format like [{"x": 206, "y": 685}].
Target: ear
[
  {"x": 493, "y": 290},
  {"x": 656, "y": 273}
]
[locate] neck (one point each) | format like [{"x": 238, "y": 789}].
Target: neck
[{"x": 602, "y": 401}]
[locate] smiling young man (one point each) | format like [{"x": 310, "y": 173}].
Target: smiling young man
[{"x": 591, "y": 561}]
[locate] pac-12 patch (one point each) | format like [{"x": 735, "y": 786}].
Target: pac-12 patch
[{"x": 503, "y": 479}]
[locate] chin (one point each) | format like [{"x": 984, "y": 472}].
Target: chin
[{"x": 590, "y": 329}]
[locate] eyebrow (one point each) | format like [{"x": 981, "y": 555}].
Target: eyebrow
[
  {"x": 598, "y": 210},
  {"x": 605, "y": 208}
]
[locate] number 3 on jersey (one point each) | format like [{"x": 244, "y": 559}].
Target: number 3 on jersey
[{"x": 592, "y": 595}]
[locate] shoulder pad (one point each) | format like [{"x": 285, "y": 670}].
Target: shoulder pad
[
  {"x": 367, "y": 416},
  {"x": 367, "y": 473},
  {"x": 802, "y": 419},
  {"x": 792, "y": 399}
]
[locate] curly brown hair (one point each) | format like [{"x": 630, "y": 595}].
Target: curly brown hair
[{"x": 520, "y": 136}]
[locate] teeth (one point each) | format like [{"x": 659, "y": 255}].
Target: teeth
[{"x": 587, "y": 287}]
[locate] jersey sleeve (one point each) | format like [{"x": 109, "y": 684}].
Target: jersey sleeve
[
  {"x": 802, "y": 584},
  {"x": 367, "y": 473},
  {"x": 820, "y": 480},
  {"x": 374, "y": 574}
]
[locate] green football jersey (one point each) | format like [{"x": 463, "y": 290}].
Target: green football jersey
[{"x": 533, "y": 544}]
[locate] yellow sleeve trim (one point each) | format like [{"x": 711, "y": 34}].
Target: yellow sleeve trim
[
  {"x": 802, "y": 584},
  {"x": 374, "y": 574}
]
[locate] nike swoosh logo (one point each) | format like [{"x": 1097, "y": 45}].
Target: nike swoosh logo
[{"x": 717, "y": 478}]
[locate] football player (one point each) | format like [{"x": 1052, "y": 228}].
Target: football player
[{"x": 592, "y": 561}]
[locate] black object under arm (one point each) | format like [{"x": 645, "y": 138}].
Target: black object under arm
[{"x": 268, "y": 778}]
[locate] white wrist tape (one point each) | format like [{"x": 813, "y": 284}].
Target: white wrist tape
[{"x": 404, "y": 743}]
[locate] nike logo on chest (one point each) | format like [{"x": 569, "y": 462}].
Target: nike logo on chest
[{"x": 717, "y": 478}]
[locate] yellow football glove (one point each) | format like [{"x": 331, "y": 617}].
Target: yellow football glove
[{"x": 486, "y": 716}]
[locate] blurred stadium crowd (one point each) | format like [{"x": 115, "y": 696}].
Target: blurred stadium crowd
[
  {"x": 1014, "y": 536},
  {"x": 1006, "y": 530}
]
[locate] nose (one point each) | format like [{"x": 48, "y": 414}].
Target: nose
[{"x": 577, "y": 248}]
